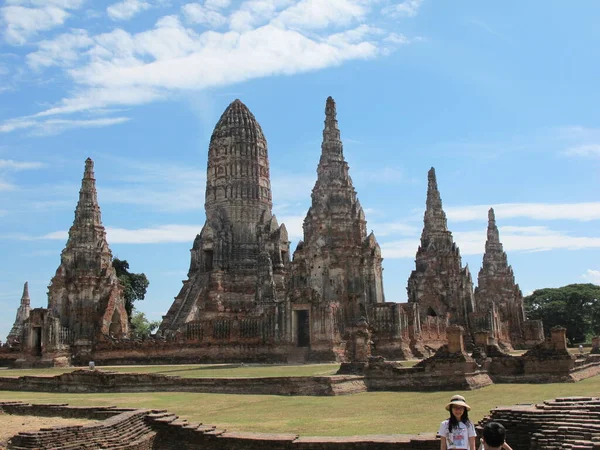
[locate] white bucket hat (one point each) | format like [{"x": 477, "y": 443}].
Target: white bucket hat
[{"x": 457, "y": 400}]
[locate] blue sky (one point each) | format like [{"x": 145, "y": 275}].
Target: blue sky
[{"x": 500, "y": 97}]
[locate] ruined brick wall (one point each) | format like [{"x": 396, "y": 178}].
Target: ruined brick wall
[
  {"x": 569, "y": 422},
  {"x": 118, "y": 428}
]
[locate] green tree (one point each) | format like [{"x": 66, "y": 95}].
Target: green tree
[
  {"x": 134, "y": 284},
  {"x": 575, "y": 307},
  {"x": 141, "y": 326}
]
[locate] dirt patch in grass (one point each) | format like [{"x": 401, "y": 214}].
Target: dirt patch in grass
[{"x": 13, "y": 424}]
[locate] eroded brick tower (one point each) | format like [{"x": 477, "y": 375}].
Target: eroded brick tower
[
  {"x": 15, "y": 334},
  {"x": 439, "y": 284},
  {"x": 497, "y": 292},
  {"x": 85, "y": 293},
  {"x": 337, "y": 272},
  {"x": 238, "y": 260}
]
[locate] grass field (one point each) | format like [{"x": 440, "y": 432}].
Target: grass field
[
  {"x": 367, "y": 413},
  {"x": 204, "y": 370}
]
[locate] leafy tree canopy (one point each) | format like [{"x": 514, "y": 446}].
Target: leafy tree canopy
[
  {"x": 141, "y": 326},
  {"x": 134, "y": 284},
  {"x": 575, "y": 307}
]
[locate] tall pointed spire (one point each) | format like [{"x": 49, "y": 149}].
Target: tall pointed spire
[
  {"x": 336, "y": 264},
  {"x": 85, "y": 293},
  {"x": 439, "y": 283},
  {"x": 493, "y": 236},
  {"x": 496, "y": 287},
  {"x": 87, "y": 248},
  {"x": 331, "y": 148},
  {"x": 15, "y": 335},
  {"x": 25, "y": 300},
  {"x": 435, "y": 223}
]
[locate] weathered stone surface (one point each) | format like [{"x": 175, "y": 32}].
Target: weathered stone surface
[
  {"x": 85, "y": 297},
  {"x": 239, "y": 259},
  {"x": 336, "y": 270},
  {"x": 568, "y": 422},
  {"x": 105, "y": 381},
  {"x": 439, "y": 285},
  {"x": 497, "y": 295},
  {"x": 16, "y": 333}
]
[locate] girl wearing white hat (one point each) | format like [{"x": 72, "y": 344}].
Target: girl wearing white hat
[{"x": 457, "y": 432}]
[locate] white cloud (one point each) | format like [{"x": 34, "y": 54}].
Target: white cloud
[
  {"x": 22, "y": 23},
  {"x": 408, "y": 8},
  {"x": 196, "y": 13},
  {"x": 293, "y": 225},
  {"x": 593, "y": 276},
  {"x": 314, "y": 14},
  {"x": 393, "y": 228},
  {"x": 53, "y": 126},
  {"x": 516, "y": 239},
  {"x": 65, "y": 50},
  {"x": 25, "y": 18},
  {"x": 253, "y": 13},
  {"x": 10, "y": 164},
  {"x": 126, "y": 9},
  {"x": 120, "y": 68},
  {"x": 585, "y": 151},
  {"x": 6, "y": 186},
  {"x": 538, "y": 211},
  {"x": 217, "y": 4},
  {"x": 156, "y": 235}
]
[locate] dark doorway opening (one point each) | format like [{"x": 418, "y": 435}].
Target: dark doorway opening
[
  {"x": 37, "y": 341},
  {"x": 302, "y": 328},
  {"x": 208, "y": 260}
]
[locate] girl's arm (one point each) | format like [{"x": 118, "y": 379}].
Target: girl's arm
[
  {"x": 505, "y": 446},
  {"x": 443, "y": 443},
  {"x": 472, "y": 443}
]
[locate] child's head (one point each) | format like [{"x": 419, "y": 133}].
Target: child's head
[
  {"x": 494, "y": 435},
  {"x": 458, "y": 409}
]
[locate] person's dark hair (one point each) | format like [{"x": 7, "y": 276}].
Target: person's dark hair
[
  {"x": 453, "y": 423},
  {"x": 494, "y": 434}
]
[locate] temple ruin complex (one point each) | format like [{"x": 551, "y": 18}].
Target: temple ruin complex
[{"x": 245, "y": 299}]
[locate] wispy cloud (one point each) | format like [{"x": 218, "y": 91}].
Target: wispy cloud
[
  {"x": 538, "y": 211},
  {"x": 21, "y": 22},
  {"x": 126, "y": 9},
  {"x": 265, "y": 38},
  {"x": 156, "y": 235},
  {"x": 407, "y": 8},
  {"x": 54, "y": 126},
  {"x": 593, "y": 276},
  {"x": 9, "y": 164},
  {"x": 517, "y": 239},
  {"x": 585, "y": 151}
]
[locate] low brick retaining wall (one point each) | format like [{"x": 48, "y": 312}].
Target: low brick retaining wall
[
  {"x": 570, "y": 422},
  {"x": 100, "y": 381},
  {"x": 123, "y": 429},
  {"x": 141, "y": 429}
]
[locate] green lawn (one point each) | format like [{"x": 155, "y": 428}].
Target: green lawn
[
  {"x": 199, "y": 371},
  {"x": 367, "y": 413}
]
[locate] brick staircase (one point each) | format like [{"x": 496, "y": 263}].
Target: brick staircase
[
  {"x": 563, "y": 423},
  {"x": 127, "y": 430}
]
